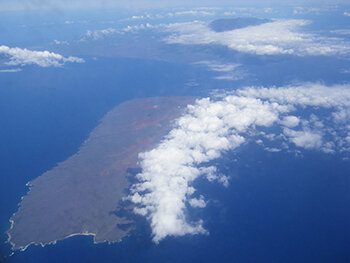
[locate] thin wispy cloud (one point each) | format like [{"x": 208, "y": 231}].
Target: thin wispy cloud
[
  {"x": 11, "y": 70},
  {"x": 344, "y": 32},
  {"x": 225, "y": 71},
  {"x": 21, "y": 57},
  {"x": 210, "y": 127}
]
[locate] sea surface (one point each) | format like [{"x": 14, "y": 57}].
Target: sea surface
[
  {"x": 279, "y": 207},
  {"x": 47, "y": 113}
]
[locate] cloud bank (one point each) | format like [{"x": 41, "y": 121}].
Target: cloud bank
[
  {"x": 212, "y": 126},
  {"x": 279, "y": 37},
  {"x": 21, "y": 57}
]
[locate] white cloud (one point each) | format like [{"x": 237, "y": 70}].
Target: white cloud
[
  {"x": 197, "y": 202},
  {"x": 59, "y": 42},
  {"x": 219, "y": 67},
  {"x": 211, "y": 127},
  {"x": 99, "y": 34},
  {"x": 145, "y": 26},
  {"x": 11, "y": 70},
  {"x": 346, "y": 13},
  {"x": 198, "y": 12},
  {"x": 344, "y": 32},
  {"x": 301, "y": 10},
  {"x": 20, "y": 57},
  {"x": 109, "y": 32},
  {"x": 305, "y": 139},
  {"x": 290, "y": 121},
  {"x": 272, "y": 38},
  {"x": 194, "y": 12},
  {"x": 226, "y": 71}
]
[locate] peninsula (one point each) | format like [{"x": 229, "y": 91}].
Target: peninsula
[{"x": 81, "y": 195}]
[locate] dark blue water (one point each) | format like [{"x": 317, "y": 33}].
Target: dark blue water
[
  {"x": 278, "y": 208},
  {"x": 47, "y": 113}
]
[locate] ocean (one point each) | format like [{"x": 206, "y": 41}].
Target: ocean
[
  {"x": 47, "y": 113},
  {"x": 279, "y": 207}
]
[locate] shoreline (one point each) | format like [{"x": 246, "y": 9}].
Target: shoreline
[{"x": 144, "y": 122}]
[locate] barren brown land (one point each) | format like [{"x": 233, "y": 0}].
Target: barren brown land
[{"x": 81, "y": 195}]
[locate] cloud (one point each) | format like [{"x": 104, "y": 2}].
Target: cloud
[
  {"x": 99, "y": 34},
  {"x": 279, "y": 37},
  {"x": 302, "y": 10},
  {"x": 21, "y": 57},
  {"x": 290, "y": 121},
  {"x": 219, "y": 67},
  {"x": 305, "y": 139},
  {"x": 133, "y": 28},
  {"x": 108, "y": 32},
  {"x": 197, "y": 202},
  {"x": 212, "y": 126},
  {"x": 344, "y": 32},
  {"x": 58, "y": 42},
  {"x": 12, "y": 70},
  {"x": 198, "y": 12},
  {"x": 194, "y": 12},
  {"x": 226, "y": 71},
  {"x": 346, "y": 13}
]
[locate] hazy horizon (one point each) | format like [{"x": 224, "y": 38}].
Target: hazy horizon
[{"x": 17, "y": 5}]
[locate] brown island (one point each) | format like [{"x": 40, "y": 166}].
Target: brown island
[{"x": 81, "y": 195}]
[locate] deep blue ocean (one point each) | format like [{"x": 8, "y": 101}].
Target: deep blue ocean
[{"x": 279, "y": 207}]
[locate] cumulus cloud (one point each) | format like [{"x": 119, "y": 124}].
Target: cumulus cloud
[
  {"x": 99, "y": 34},
  {"x": 290, "y": 121},
  {"x": 212, "y": 126},
  {"x": 305, "y": 139},
  {"x": 21, "y": 57},
  {"x": 145, "y": 26},
  {"x": 109, "y": 32},
  {"x": 272, "y": 38},
  {"x": 197, "y": 202}
]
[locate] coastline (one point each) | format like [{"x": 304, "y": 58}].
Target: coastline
[{"x": 148, "y": 120}]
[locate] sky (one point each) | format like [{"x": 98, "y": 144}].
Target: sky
[{"x": 10, "y": 5}]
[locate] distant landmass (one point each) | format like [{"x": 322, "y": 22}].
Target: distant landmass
[
  {"x": 221, "y": 25},
  {"x": 81, "y": 195}
]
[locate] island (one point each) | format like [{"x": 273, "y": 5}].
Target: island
[
  {"x": 227, "y": 24},
  {"x": 81, "y": 195}
]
